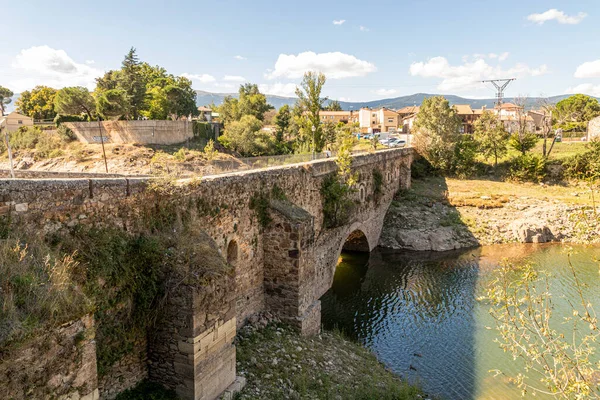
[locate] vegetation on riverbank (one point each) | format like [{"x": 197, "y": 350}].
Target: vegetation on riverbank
[{"x": 280, "y": 364}]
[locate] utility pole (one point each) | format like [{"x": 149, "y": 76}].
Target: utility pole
[
  {"x": 500, "y": 85},
  {"x": 102, "y": 141},
  {"x": 10, "y": 158}
]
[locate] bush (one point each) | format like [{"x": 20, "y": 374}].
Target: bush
[
  {"x": 523, "y": 142},
  {"x": 527, "y": 168},
  {"x": 179, "y": 155},
  {"x": 421, "y": 168},
  {"x": 47, "y": 145},
  {"x": 59, "y": 119},
  {"x": 202, "y": 130},
  {"x": 65, "y": 134},
  {"x": 584, "y": 165},
  {"x": 25, "y": 138},
  {"x": 337, "y": 205},
  {"x": 463, "y": 162}
]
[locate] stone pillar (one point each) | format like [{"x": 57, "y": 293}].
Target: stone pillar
[
  {"x": 192, "y": 349},
  {"x": 287, "y": 248}
]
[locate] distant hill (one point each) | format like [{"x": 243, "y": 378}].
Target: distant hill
[{"x": 205, "y": 98}]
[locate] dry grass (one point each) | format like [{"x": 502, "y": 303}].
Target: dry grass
[
  {"x": 36, "y": 289},
  {"x": 470, "y": 192}
]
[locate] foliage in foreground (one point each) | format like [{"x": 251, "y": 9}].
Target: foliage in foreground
[
  {"x": 554, "y": 363},
  {"x": 280, "y": 364}
]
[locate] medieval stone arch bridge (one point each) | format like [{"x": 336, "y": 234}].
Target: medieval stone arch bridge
[{"x": 283, "y": 265}]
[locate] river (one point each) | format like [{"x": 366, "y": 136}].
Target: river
[{"x": 419, "y": 313}]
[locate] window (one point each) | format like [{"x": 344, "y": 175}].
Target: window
[
  {"x": 391, "y": 120},
  {"x": 331, "y": 117},
  {"x": 20, "y": 122},
  {"x": 374, "y": 115}
]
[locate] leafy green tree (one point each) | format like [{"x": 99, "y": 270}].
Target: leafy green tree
[
  {"x": 309, "y": 95},
  {"x": 74, "y": 101},
  {"x": 282, "y": 120},
  {"x": 132, "y": 82},
  {"x": 5, "y": 98},
  {"x": 37, "y": 104},
  {"x": 491, "y": 136},
  {"x": 252, "y": 101},
  {"x": 229, "y": 110},
  {"x": 523, "y": 141},
  {"x": 333, "y": 105},
  {"x": 245, "y": 137},
  {"x": 113, "y": 104},
  {"x": 577, "y": 109},
  {"x": 436, "y": 132}
]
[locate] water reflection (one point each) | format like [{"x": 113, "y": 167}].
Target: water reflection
[{"x": 419, "y": 313}]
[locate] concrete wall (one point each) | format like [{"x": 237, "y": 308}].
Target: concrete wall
[
  {"x": 143, "y": 132},
  {"x": 285, "y": 266},
  {"x": 593, "y": 131}
]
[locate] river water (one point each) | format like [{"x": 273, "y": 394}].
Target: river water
[{"x": 419, "y": 313}]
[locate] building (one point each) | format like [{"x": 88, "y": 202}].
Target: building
[
  {"x": 14, "y": 120},
  {"x": 407, "y": 111},
  {"x": 380, "y": 120},
  {"x": 338, "y": 116},
  {"x": 206, "y": 113}
]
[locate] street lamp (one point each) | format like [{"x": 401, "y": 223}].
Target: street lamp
[{"x": 313, "y": 129}]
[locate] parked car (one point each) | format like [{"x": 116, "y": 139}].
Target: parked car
[{"x": 393, "y": 142}]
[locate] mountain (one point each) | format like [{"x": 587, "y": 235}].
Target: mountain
[{"x": 206, "y": 98}]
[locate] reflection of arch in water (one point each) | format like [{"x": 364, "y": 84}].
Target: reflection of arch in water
[{"x": 232, "y": 253}]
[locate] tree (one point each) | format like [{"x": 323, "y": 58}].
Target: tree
[
  {"x": 113, "y": 104},
  {"x": 575, "y": 111},
  {"x": 521, "y": 139},
  {"x": 333, "y": 105},
  {"x": 37, "y": 104},
  {"x": 252, "y": 101},
  {"x": 5, "y": 98},
  {"x": 132, "y": 81},
  {"x": 311, "y": 102},
  {"x": 229, "y": 110},
  {"x": 490, "y": 136},
  {"x": 74, "y": 101},
  {"x": 245, "y": 137},
  {"x": 436, "y": 132},
  {"x": 282, "y": 120}
]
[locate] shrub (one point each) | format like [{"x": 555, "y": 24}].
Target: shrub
[
  {"x": 584, "y": 165},
  {"x": 202, "y": 130},
  {"x": 47, "y": 144},
  {"x": 59, "y": 119},
  {"x": 336, "y": 202},
  {"x": 523, "y": 142},
  {"x": 463, "y": 162},
  {"x": 65, "y": 134},
  {"x": 527, "y": 168},
  {"x": 209, "y": 150},
  {"x": 25, "y": 138},
  {"x": 179, "y": 155}
]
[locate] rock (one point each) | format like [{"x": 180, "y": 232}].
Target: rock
[
  {"x": 485, "y": 198},
  {"x": 531, "y": 231}
]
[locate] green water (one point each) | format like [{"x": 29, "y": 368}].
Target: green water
[{"x": 420, "y": 315}]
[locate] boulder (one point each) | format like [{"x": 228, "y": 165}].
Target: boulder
[{"x": 532, "y": 231}]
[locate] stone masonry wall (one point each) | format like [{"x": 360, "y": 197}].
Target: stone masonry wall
[
  {"x": 59, "y": 364},
  {"x": 593, "y": 131},
  {"x": 35, "y": 174},
  {"x": 126, "y": 373}
]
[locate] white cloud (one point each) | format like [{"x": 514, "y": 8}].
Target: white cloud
[
  {"x": 203, "y": 78},
  {"x": 385, "y": 92},
  {"x": 234, "y": 78},
  {"x": 585, "y": 88},
  {"x": 559, "y": 16},
  {"x": 43, "y": 65},
  {"x": 338, "y": 21},
  {"x": 590, "y": 69},
  {"x": 363, "y": 28},
  {"x": 278, "y": 89},
  {"x": 240, "y": 57},
  {"x": 334, "y": 65},
  {"x": 90, "y": 62},
  {"x": 469, "y": 74},
  {"x": 503, "y": 56}
]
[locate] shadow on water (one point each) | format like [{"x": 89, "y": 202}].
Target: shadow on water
[{"x": 415, "y": 311}]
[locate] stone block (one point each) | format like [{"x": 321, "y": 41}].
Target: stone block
[{"x": 21, "y": 207}]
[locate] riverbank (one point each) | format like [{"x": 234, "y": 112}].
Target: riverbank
[
  {"x": 440, "y": 214},
  {"x": 278, "y": 363}
]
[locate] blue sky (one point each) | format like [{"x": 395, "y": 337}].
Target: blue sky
[{"x": 373, "y": 50}]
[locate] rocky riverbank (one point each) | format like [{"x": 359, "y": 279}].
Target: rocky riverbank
[
  {"x": 278, "y": 363},
  {"x": 441, "y": 215}
]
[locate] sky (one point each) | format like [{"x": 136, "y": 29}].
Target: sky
[{"x": 367, "y": 50}]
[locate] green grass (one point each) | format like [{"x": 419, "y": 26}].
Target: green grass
[{"x": 280, "y": 364}]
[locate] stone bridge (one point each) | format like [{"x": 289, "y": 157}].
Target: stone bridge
[{"x": 282, "y": 265}]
